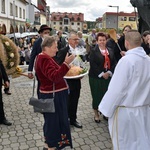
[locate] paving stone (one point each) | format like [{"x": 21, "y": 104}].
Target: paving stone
[{"x": 26, "y": 133}]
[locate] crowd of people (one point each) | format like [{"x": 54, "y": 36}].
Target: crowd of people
[{"x": 119, "y": 80}]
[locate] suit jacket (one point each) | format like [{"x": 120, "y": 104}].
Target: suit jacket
[
  {"x": 3, "y": 75},
  {"x": 35, "y": 51},
  {"x": 61, "y": 43},
  {"x": 60, "y": 58},
  {"x": 97, "y": 62}
]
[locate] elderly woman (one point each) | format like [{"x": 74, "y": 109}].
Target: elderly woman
[
  {"x": 102, "y": 64},
  {"x": 50, "y": 74}
]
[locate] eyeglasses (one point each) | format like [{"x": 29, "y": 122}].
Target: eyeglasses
[{"x": 75, "y": 39}]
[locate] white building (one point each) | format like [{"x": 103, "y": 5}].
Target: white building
[{"x": 12, "y": 16}]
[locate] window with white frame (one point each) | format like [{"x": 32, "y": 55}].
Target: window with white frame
[
  {"x": 16, "y": 11},
  {"x": 20, "y": 12},
  {"x": 11, "y": 9},
  {"x": 23, "y": 13},
  {"x": 66, "y": 21},
  {"x": 131, "y": 18},
  {"x": 3, "y": 6}
]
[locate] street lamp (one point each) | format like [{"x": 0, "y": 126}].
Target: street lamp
[
  {"x": 14, "y": 19},
  {"x": 117, "y": 14}
]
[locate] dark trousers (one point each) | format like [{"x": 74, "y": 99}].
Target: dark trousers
[
  {"x": 38, "y": 86},
  {"x": 73, "y": 99},
  {"x": 6, "y": 89},
  {"x": 2, "y": 116}
]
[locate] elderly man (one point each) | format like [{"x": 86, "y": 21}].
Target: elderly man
[
  {"x": 74, "y": 84},
  {"x": 127, "y": 101},
  {"x": 92, "y": 37}
]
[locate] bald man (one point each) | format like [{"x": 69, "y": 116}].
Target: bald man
[{"x": 127, "y": 101}]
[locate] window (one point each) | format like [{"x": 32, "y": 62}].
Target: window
[
  {"x": 23, "y": 13},
  {"x": 78, "y": 23},
  {"x": 72, "y": 23},
  {"x": 54, "y": 22},
  {"x": 16, "y": 11},
  {"x": 11, "y": 9},
  {"x": 20, "y": 12},
  {"x": 60, "y": 23},
  {"x": 72, "y": 18},
  {"x": 3, "y": 6},
  {"x": 131, "y": 18},
  {"x": 60, "y": 18},
  {"x": 78, "y": 19},
  {"x": 66, "y": 21},
  {"x": 54, "y": 18},
  {"x": 60, "y": 28},
  {"x": 123, "y": 18}
]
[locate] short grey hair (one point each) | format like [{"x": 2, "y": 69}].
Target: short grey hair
[
  {"x": 48, "y": 41},
  {"x": 70, "y": 34}
]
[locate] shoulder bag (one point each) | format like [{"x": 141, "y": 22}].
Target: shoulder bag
[{"x": 42, "y": 105}]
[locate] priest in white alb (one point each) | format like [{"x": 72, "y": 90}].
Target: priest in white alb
[{"x": 127, "y": 101}]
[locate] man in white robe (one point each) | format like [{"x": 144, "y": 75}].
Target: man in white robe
[{"x": 127, "y": 101}]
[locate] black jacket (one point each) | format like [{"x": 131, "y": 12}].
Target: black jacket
[
  {"x": 3, "y": 75},
  {"x": 121, "y": 43},
  {"x": 60, "y": 57},
  {"x": 97, "y": 62},
  {"x": 35, "y": 51}
]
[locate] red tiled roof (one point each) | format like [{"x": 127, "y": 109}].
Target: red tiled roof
[
  {"x": 121, "y": 13},
  {"x": 57, "y": 16}
]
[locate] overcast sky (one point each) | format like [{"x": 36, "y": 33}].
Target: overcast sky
[{"x": 92, "y": 9}]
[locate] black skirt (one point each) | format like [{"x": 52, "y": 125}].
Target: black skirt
[{"x": 56, "y": 126}]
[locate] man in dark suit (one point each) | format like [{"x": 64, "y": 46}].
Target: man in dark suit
[
  {"x": 43, "y": 31},
  {"x": 61, "y": 40},
  {"x": 4, "y": 77},
  {"x": 74, "y": 84}
]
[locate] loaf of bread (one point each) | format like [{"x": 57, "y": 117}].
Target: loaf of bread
[{"x": 74, "y": 71}]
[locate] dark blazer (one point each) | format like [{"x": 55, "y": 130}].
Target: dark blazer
[
  {"x": 35, "y": 51},
  {"x": 3, "y": 75},
  {"x": 61, "y": 43},
  {"x": 60, "y": 57},
  {"x": 121, "y": 43},
  {"x": 146, "y": 48},
  {"x": 97, "y": 62}
]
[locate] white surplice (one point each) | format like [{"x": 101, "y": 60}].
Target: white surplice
[{"x": 127, "y": 102}]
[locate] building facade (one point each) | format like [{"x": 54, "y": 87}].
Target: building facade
[
  {"x": 119, "y": 20},
  {"x": 67, "y": 21},
  {"x": 22, "y": 15},
  {"x": 99, "y": 23},
  {"x": 12, "y": 16}
]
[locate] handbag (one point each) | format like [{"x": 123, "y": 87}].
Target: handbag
[{"x": 42, "y": 105}]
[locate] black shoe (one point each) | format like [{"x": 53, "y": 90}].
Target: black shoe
[
  {"x": 44, "y": 148},
  {"x": 6, "y": 122},
  {"x": 105, "y": 118},
  {"x": 76, "y": 124},
  {"x": 97, "y": 121},
  {"x": 8, "y": 93}
]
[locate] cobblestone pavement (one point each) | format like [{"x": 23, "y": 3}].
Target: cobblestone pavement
[{"x": 26, "y": 132}]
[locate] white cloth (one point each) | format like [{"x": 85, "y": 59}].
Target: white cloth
[{"x": 127, "y": 102}]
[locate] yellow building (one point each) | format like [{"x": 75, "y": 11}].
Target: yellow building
[{"x": 119, "y": 20}]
